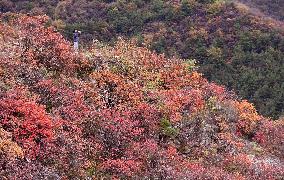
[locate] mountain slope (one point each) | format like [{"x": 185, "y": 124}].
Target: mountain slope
[
  {"x": 266, "y": 17},
  {"x": 271, "y": 8},
  {"x": 233, "y": 46},
  {"x": 121, "y": 112}
]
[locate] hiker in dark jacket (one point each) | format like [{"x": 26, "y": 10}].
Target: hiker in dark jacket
[{"x": 76, "y": 35}]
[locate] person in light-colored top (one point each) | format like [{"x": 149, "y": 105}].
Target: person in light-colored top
[{"x": 76, "y": 35}]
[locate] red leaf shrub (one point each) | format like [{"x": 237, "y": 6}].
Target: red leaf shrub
[
  {"x": 31, "y": 127},
  {"x": 121, "y": 112}
]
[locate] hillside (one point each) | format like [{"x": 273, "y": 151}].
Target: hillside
[
  {"x": 233, "y": 45},
  {"x": 273, "y": 8},
  {"x": 121, "y": 112}
]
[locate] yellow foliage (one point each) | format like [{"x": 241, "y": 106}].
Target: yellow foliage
[
  {"x": 215, "y": 52},
  {"x": 248, "y": 116},
  {"x": 2, "y": 71},
  {"x": 59, "y": 24},
  {"x": 216, "y": 7},
  {"x": 8, "y": 147}
]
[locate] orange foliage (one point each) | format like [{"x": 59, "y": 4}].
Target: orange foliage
[
  {"x": 248, "y": 117},
  {"x": 120, "y": 112},
  {"x": 8, "y": 148}
]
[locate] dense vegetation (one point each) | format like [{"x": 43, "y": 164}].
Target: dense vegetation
[
  {"x": 232, "y": 47},
  {"x": 121, "y": 112}
]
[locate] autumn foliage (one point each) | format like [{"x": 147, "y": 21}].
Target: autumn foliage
[
  {"x": 121, "y": 112},
  {"x": 235, "y": 42},
  {"x": 30, "y": 125}
]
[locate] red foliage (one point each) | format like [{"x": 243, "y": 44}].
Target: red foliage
[
  {"x": 125, "y": 113},
  {"x": 115, "y": 89},
  {"x": 30, "y": 125},
  {"x": 177, "y": 103},
  {"x": 43, "y": 45},
  {"x": 270, "y": 135}
]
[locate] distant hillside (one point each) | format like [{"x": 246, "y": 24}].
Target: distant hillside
[
  {"x": 232, "y": 46},
  {"x": 121, "y": 112},
  {"x": 273, "y": 8}
]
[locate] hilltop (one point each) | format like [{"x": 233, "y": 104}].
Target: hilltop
[
  {"x": 234, "y": 45},
  {"x": 121, "y": 112}
]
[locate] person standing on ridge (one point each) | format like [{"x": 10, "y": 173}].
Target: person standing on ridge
[{"x": 76, "y": 35}]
